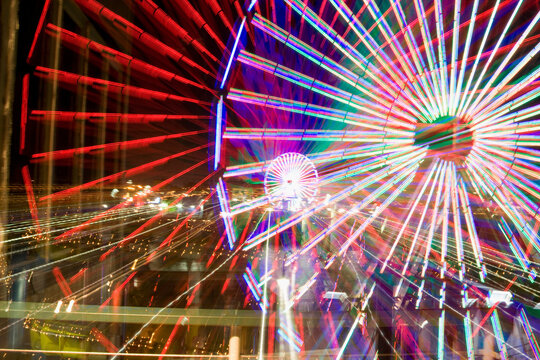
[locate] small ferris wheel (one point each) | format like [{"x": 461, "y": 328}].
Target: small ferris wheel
[{"x": 291, "y": 181}]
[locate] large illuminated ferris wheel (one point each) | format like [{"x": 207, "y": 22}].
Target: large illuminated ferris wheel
[{"x": 421, "y": 121}]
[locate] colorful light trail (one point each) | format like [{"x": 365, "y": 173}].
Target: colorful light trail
[{"x": 348, "y": 179}]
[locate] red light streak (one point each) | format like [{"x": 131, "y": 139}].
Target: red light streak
[
  {"x": 96, "y": 117},
  {"x": 155, "y": 217},
  {"x": 136, "y": 66},
  {"x": 38, "y": 29},
  {"x": 169, "y": 238},
  {"x": 190, "y": 11},
  {"x": 171, "y": 27},
  {"x": 62, "y": 283},
  {"x": 110, "y": 211},
  {"x": 130, "y": 172},
  {"x": 117, "y": 290},
  {"x": 104, "y": 341},
  {"x": 129, "y": 144},
  {"x": 78, "y": 275},
  {"x": 71, "y": 81},
  {"x": 24, "y": 112},
  {"x": 139, "y": 37},
  {"x": 171, "y": 336}
]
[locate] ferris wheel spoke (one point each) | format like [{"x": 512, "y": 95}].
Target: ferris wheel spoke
[
  {"x": 473, "y": 235},
  {"x": 462, "y": 70},
  {"x": 61, "y": 117},
  {"x": 249, "y": 205},
  {"x": 419, "y": 89},
  {"x": 392, "y": 86},
  {"x": 490, "y": 105},
  {"x": 514, "y": 123},
  {"x": 378, "y": 95},
  {"x": 320, "y": 157},
  {"x": 383, "y": 59},
  {"x": 407, "y": 173},
  {"x": 129, "y": 172},
  {"x": 307, "y": 109},
  {"x": 434, "y": 216},
  {"x": 69, "y": 153},
  {"x": 483, "y": 98},
  {"x": 138, "y": 68},
  {"x": 368, "y": 136},
  {"x": 505, "y": 205},
  {"x": 365, "y": 166},
  {"x": 397, "y": 117},
  {"x": 457, "y": 222},
  {"x": 111, "y": 88},
  {"x": 380, "y": 208},
  {"x": 430, "y": 82},
  {"x": 115, "y": 23},
  {"x": 426, "y": 180},
  {"x": 487, "y": 31},
  {"x": 170, "y": 28},
  {"x": 452, "y": 94},
  {"x": 509, "y": 106},
  {"x": 487, "y": 64},
  {"x": 419, "y": 226}
]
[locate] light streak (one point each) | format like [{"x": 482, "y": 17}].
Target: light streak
[
  {"x": 125, "y": 173},
  {"x": 109, "y": 147},
  {"x": 490, "y": 59},
  {"x": 141, "y": 38},
  {"x": 111, "y": 88},
  {"x": 437, "y": 167},
  {"x": 225, "y": 211},
  {"x": 530, "y": 334},
  {"x": 406, "y": 222},
  {"x": 357, "y": 320},
  {"x": 440, "y": 182},
  {"x": 219, "y": 135},
  {"x": 487, "y": 31},
  {"x": 396, "y": 117},
  {"x": 233, "y": 52},
  {"x": 499, "y": 336},
  {"x": 468, "y": 335},
  {"x": 265, "y": 278}
]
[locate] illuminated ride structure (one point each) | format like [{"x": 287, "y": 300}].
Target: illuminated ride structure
[{"x": 277, "y": 179}]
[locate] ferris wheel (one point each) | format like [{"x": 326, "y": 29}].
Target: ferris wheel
[{"x": 291, "y": 181}]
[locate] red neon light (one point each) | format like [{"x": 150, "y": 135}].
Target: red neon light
[
  {"x": 31, "y": 199},
  {"x": 68, "y": 79},
  {"x": 95, "y": 117},
  {"x": 136, "y": 66},
  {"x": 117, "y": 290},
  {"x": 62, "y": 283},
  {"x": 102, "y": 14},
  {"x": 38, "y": 29},
  {"x": 179, "y": 322},
  {"x": 69, "y": 153},
  {"x": 190, "y": 11},
  {"x": 78, "y": 275},
  {"x": 24, "y": 112},
  {"x": 113, "y": 177},
  {"x": 104, "y": 341}
]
